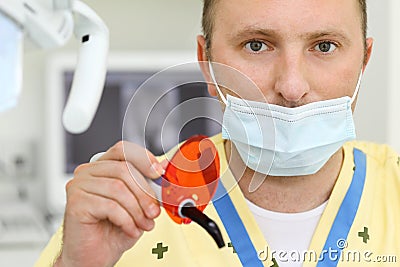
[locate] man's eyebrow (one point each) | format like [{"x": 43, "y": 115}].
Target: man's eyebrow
[
  {"x": 251, "y": 31},
  {"x": 326, "y": 34}
]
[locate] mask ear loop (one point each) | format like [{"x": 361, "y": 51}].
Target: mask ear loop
[
  {"x": 254, "y": 185},
  {"x": 357, "y": 88},
  {"x": 216, "y": 84}
]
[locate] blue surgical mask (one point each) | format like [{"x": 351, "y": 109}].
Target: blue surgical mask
[
  {"x": 11, "y": 38},
  {"x": 281, "y": 141}
]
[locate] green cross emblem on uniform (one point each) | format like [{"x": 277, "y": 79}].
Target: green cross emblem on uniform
[
  {"x": 159, "y": 250},
  {"x": 364, "y": 235},
  {"x": 275, "y": 263}
]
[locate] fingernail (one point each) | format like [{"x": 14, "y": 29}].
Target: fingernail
[
  {"x": 157, "y": 169},
  {"x": 153, "y": 210}
]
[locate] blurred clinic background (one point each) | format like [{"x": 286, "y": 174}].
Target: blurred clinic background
[{"x": 37, "y": 156}]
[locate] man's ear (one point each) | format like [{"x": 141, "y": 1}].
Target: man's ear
[
  {"x": 368, "y": 51},
  {"x": 202, "y": 57}
]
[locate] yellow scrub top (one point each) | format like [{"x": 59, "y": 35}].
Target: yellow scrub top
[{"x": 373, "y": 237}]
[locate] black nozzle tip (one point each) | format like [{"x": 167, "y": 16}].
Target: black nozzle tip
[
  {"x": 209, "y": 225},
  {"x": 216, "y": 234}
]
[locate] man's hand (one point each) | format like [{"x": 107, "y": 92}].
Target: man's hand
[{"x": 109, "y": 205}]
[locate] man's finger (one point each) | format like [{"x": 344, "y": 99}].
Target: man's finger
[
  {"x": 117, "y": 190},
  {"x": 139, "y": 157},
  {"x": 124, "y": 172}
]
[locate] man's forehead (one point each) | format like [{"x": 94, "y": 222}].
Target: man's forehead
[
  {"x": 245, "y": 4},
  {"x": 302, "y": 16}
]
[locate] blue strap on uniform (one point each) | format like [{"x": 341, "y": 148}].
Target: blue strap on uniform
[
  {"x": 339, "y": 231},
  {"x": 234, "y": 226},
  {"x": 337, "y": 237}
]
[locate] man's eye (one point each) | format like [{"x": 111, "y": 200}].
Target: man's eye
[
  {"x": 325, "y": 47},
  {"x": 256, "y": 46}
]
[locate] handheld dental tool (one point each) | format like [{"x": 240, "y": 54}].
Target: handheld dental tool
[{"x": 189, "y": 183}]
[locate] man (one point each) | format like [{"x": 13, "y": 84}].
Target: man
[{"x": 321, "y": 203}]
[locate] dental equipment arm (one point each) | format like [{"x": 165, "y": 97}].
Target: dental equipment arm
[{"x": 51, "y": 25}]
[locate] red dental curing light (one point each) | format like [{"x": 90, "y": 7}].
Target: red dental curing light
[{"x": 190, "y": 182}]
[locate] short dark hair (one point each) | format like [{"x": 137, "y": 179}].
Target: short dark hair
[{"x": 209, "y": 7}]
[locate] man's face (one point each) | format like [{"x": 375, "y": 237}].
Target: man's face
[{"x": 295, "y": 51}]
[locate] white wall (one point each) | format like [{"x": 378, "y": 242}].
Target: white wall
[
  {"x": 372, "y": 109},
  {"x": 394, "y": 76},
  {"x": 173, "y": 25}
]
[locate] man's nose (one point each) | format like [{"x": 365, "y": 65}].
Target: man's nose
[{"x": 291, "y": 83}]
